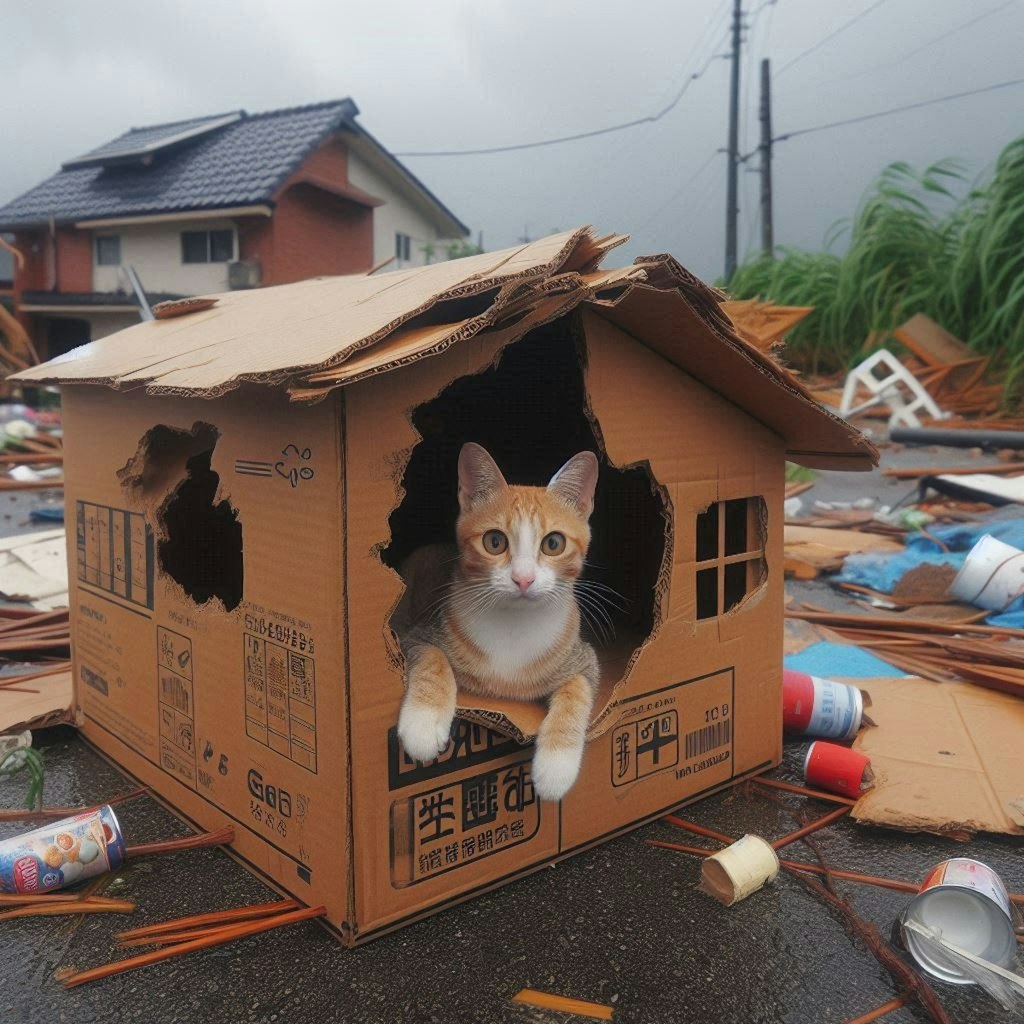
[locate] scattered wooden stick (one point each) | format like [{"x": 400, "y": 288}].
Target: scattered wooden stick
[
  {"x": 816, "y": 794},
  {"x": 218, "y": 917},
  {"x": 31, "y": 485},
  {"x": 55, "y": 813},
  {"x": 906, "y": 977},
  {"x": 72, "y": 978},
  {"x": 56, "y": 896},
  {"x": 562, "y": 1004},
  {"x": 999, "y": 468},
  {"x": 800, "y": 833},
  {"x": 798, "y": 865},
  {"x": 880, "y": 1011},
  {"x": 222, "y": 837},
  {"x": 697, "y": 830},
  {"x": 48, "y": 907}
]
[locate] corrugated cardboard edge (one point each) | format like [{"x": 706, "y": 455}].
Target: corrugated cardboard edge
[{"x": 571, "y": 273}]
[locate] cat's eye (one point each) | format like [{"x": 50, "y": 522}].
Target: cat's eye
[
  {"x": 495, "y": 542},
  {"x": 553, "y": 544}
]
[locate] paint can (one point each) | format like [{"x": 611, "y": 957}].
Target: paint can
[
  {"x": 62, "y": 853},
  {"x": 836, "y": 769},
  {"x": 812, "y": 706},
  {"x": 992, "y": 576},
  {"x": 965, "y": 901},
  {"x": 734, "y": 873}
]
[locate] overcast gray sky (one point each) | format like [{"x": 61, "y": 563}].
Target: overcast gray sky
[{"x": 454, "y": 74}]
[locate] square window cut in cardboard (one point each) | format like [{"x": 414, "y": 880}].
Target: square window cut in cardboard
[{"x": 245, "y": 473}]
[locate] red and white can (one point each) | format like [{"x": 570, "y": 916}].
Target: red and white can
[
  {"x": 812, "y": 706},
  {"x": 966, "y": 902},
  {"x": 836, "y": 769}
]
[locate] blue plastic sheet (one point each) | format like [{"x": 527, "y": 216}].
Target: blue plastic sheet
[
  {"x": 829, "y": 661},
  {"x": 883, "y": 572}
]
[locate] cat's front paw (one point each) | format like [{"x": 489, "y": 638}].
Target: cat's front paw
[
  {"x": 555, "y": 771},
  {"x": 423, "y": 730}
]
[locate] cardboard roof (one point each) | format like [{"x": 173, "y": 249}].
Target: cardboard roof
[{"x": 324, "y": 333}]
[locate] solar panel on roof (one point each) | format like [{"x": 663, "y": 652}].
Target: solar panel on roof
[{"x": 142, "y": 142}]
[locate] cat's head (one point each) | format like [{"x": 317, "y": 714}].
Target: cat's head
[{"x": 526, "y": 543}]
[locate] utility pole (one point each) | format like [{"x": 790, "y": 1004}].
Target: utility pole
[
  {"x": 767, "y": 230},
  {"x": 731, "y": 202}
]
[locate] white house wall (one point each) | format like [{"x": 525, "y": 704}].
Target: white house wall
[
  {"x": 154, "y": 250},
  {"x": 396, "y": 215}
]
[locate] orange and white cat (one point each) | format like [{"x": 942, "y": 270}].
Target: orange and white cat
[{"x": 497, "y": 614}]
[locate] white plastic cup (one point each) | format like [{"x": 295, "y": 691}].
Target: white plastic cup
[
  {"x": 992, "y": 577},
  {"x": 734, "y": 873}
]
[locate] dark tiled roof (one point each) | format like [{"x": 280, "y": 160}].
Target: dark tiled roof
[{"x": 239, "y": 164}]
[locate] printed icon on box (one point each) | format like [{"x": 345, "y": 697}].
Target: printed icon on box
[
  {"x": 184, "y": 658},
  {"x": 222, "y": 764},
  {"x": 208, "y": 751},
  {"x": 291, "y": 468}
]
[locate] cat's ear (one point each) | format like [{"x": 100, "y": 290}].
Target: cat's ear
[
  {"x": 479, "y": 476},
  {"x": 575, "y": 482}
]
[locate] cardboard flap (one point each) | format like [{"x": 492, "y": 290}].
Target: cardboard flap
[
  {"x": 946, "y": 758},
  {"x": 329, "y": 332}
]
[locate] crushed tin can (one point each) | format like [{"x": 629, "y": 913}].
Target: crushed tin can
[
  {"x": 62, "y": 853},
  {"x": 966, "y": 902},
  {"x": 812, "y": 706}
]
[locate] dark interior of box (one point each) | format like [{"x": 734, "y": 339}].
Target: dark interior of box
[{"x": 529, "y": 411}]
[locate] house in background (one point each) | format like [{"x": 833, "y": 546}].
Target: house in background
[{"x": 211, "y": 204}]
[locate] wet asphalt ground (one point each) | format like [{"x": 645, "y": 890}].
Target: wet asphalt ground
[{"x": 621, "y": 925}]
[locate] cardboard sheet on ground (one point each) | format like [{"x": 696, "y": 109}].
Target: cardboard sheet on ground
[
  {"x": 824, "y": 548},
  {"x": 35, "y": 569},
  {"x": 947, "y": 758},
  {"x": 51, "y": 705}
]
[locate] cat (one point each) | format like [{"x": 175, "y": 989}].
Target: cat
[{"x": 496, "y": 613}]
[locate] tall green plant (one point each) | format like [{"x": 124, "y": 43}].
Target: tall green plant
[{"x": 918, "y": 242}]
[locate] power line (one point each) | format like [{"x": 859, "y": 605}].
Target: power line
[
  {"x": 821, "y": 42},
  {"x": 650, "y": 119},
  {"x": 924, "y": 46},
  {"x": 897, "y": 110}
]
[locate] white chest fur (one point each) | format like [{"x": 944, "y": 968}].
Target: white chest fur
[{"x": 512, "y": 639}]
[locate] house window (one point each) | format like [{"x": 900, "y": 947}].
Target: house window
[
  {"x": 403, "y": 247},
  {"x": 207, "y": 246},
  {"x": 729, "y": 554},
  {"x": 108, "y": 250}
]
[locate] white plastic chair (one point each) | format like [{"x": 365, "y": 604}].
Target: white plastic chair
[{"x": 888, "y": 382}]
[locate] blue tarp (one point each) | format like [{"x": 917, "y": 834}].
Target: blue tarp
[
  {"x": 829, "y": 660},
  {"x": 883, "y": 572}
]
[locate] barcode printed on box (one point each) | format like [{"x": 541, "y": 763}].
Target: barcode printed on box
[{"x": 700, "y": 741}]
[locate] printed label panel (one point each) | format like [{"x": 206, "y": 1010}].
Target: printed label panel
[
  {"x": 686, "y": 728},
  {"x": 115, "y": 551},
  {"x": 176, "y": 705},
  {"x": 450, "y": 826},
  {"x": 280, "y": 697}
]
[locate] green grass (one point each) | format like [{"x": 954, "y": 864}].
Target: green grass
[{"x": 920, "y": 242}]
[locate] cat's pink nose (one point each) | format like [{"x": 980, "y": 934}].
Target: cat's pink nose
[{"x": 523, "y": 582}]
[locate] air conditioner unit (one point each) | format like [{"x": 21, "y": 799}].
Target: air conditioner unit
[{"x": 244, "y": 274}]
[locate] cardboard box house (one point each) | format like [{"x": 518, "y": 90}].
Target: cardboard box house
[{"x": 245, "y": 472}]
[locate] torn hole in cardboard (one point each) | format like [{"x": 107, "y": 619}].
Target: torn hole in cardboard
[
  {"x": 530, "y": 411},
  {"x": 200, "y": 537}
]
